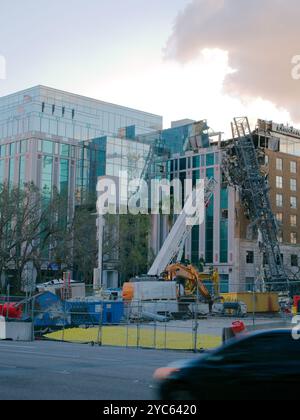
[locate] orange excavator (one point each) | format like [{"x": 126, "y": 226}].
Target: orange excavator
[{"x": 193, "y": 281}]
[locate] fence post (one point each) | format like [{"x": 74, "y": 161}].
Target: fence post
[
  {"x": 32, "y": 318},
  {"x": 165, "y": 325},
  {"x": 138, "y": 324},
  {"x": 155, "y": 329},
  {"x": 254, "y": 304},
  {"x": 128, "y": 306},
  {"x": 8, "y": 300},
  {"x": 196, "y": 323},
  {"x": 100, "y": 332},
  {"x": 64, "y": 323}
]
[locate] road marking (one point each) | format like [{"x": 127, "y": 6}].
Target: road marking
[
  {"x": 17, "y": 346},
  {"x": 84, "y": 358},
  {"x": 34, "y": 353},
  {"x": 63, "y": 372},
  {"x": 7, "y": 367}
]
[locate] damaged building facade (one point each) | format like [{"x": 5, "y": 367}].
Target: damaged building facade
[
  {"x": 226, "y": 240},
  {"x": 281, "y": 166}
]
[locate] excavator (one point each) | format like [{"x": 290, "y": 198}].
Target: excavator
[{"x": 192, "y": 281}]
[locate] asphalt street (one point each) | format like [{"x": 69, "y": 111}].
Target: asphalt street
[{"x": 62, "y": 371}]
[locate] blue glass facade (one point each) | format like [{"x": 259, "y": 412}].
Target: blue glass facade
[
  {"x": 176, "y": 140},
  {"x": 209, "y": 234},
  {"x": 203, "y": 243},
  {"x": 224, "y": 226}
]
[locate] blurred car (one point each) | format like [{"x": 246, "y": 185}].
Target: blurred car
[{"x": 259, "y": 366}]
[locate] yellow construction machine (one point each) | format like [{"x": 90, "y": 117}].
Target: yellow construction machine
[{"x": 193, "y": 281}]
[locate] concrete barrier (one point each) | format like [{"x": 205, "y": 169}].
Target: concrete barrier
[{"x": 15, "y": 330}]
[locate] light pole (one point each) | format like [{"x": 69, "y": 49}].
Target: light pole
[{"x": 98, "y": 280}]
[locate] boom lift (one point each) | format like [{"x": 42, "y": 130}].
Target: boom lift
[
  {"x": 173, "y": 247},
  {"x": 167, "y": 264}
]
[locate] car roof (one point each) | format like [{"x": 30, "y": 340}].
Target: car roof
[{"x": 247, "y": 335}]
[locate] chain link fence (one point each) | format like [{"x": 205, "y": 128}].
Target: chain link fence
[{"x": 163, "y": 325}]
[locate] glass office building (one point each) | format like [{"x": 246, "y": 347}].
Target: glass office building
[
  {"x": 58, "y": 139},
  {"x": 46, "y": 136},
  {"x": 68, "y": 116}
]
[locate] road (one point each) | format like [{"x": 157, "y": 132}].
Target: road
[{"x": 62, "y": 371}]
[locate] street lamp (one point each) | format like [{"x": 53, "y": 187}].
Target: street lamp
[{"x": 98, "y": 272}]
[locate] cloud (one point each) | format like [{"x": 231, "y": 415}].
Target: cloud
[{"x": 261, "y": 38}]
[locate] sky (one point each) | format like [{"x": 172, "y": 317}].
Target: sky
[{"x": 195, "y": 59}]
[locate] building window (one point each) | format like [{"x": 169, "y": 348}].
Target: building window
[
  {"x": 210, "y": 159},
  {"x": 11, "y": 172},
  {"x": 279, "y": 164},
  {"x": 293, "y": 202},
  {"x": 266, "y": 160},
  {"x": 64, "y": 176},
  {"x": 293, "y": 238},
  {"x": 279, "y": 182},
  {"x": 279, "y": 200},
  {"x": 24, "y": 146},
  {"x": 48, "y": 147},
  {"x": 196, "y": 162},
  {"x": 293, "y": 167},
  {"x": 22, "y": 173},
  {"x": 46, "y": 179},
  {"x": 294, "y": 261},
  {"x": 293, "y": 184},
  {"x": 65, "y": 150},
  {"x": 183, "y": 164},
  {"x": 250, "y": 257},
  {"x": 12, "y": 149},
  {"x": 293, "y": 220},
  {"x": 279, "y": 217},
  {"x": 280, "y": 237},
  {"x": 279, "y": 259},
  {"x": 250, "y": 284}
]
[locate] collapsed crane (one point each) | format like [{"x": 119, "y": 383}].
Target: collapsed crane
[{"x": 242, "y": 170}]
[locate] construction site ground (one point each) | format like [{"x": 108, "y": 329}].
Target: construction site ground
[{"x": 174, "y": 335}]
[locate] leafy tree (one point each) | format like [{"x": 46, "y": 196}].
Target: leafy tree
[
  {"x": 30, "y": 228},
  {"x": 85, "y": 246},
  {"x": 126, "y": 244}
]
